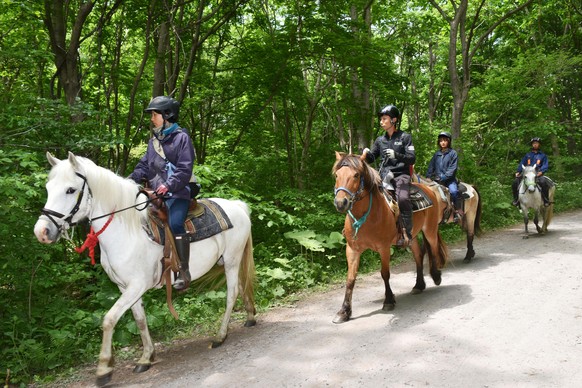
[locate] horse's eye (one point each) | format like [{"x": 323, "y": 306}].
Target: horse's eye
[{"x": 70, "y": 190}]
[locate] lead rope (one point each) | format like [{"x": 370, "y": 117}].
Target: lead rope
[
  {"x": 358, "y": 223},
  {"x": 92, "y": 240}
]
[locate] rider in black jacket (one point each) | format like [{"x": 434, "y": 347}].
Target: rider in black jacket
[{"x": 396, "y": 153}]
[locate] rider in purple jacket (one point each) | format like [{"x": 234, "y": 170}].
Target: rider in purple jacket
[{"x": 167, "y": 167}]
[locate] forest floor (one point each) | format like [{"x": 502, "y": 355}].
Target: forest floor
[{"x": 510, "y": 318}]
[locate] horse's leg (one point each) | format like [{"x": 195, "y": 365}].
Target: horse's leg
[
  {"x": 353, "y": 260},
  {"x": 418, "y": 254},
  {"x": 537, "y": 220},
  {"x": 470, "y": 226},
  {"x": 231, "y": 295},
  {"x": 389, "y": 300},
  {"x": 525, "y": 220},
  {"x": 148, "y": 355},
  {"x": 105, "y": 366}
]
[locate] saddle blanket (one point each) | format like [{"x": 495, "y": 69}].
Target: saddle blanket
[
  {"x": 206, "y": 220},
  {"x": 419, "y": 199}
]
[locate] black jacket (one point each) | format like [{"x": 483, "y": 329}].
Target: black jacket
[{"x": 401, "y": 143}]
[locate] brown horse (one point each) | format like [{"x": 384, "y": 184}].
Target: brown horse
[
  {"x": 471, "y": 221},
  {"x": 371, "y": 224}
]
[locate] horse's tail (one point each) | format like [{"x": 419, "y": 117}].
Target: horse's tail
[
  {"x": 247, "y": 273},
  {"x": 478, "y": 212},
  {"x": 550, "y": 209},
  {"x": 443, "y": 251},
  {"x": 247, "y": 278}
]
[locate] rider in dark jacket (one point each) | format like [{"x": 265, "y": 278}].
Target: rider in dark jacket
[
  {"x": 396, "y": 153},
  {"x": 443, "y": 169},
  {"x": 537, "y": 158},
  {"x": 167, "y": 166}
]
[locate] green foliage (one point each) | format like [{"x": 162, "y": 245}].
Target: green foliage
[{"x": 274, "y": 91}]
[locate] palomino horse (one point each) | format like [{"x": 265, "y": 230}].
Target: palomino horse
[
  {"x": 530, "y": 197},
  {"x": 78, "y": 189},
  {"x": 371, "y": 224},
  {"x": 471, "y": 220}
]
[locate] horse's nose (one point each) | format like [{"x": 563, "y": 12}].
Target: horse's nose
[
  {"x": 531, "y": 188},
  {"x": 341, "y": 204}
]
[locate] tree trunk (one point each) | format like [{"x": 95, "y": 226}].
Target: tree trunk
[{"x": 66, "y": 53}]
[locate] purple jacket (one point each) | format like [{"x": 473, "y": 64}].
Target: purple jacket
[{"x": 152, "y": 167}]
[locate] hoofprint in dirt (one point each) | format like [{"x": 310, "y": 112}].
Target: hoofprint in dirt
[{"x": 512, "y": 317}]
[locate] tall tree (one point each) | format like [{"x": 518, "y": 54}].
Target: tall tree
[
  {"x": 467, "y": 33},
  {"x": 64, "y": 21}
]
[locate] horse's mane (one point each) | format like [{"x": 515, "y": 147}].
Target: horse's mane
[
  {"x": 372, "y": 180},
  {"x": 109, "y": 189}
]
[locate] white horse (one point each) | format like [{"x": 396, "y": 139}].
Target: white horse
[
  {"x": 78, "y": 189},
  {"x": 530, "y": 197}
]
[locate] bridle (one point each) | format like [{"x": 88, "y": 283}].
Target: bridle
[
  {"x": 529, "y": 182},
  {"x": 66, "y": 219},
  {"x": 353, "y": 197}
]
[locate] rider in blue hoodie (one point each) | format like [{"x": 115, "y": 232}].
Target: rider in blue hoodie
[
  {"x": 167, "y": 166},
  {"x": 443, "y": 169}
]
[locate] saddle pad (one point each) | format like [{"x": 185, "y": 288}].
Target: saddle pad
[
  {"x": 206, "y": 220},
  {"x": 212, "y": 221},
  {"x": 419, "y": 199}
]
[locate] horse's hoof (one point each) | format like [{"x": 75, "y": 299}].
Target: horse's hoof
[
  {"x": 525, "y": 237},
  {"x": 140, "y": 368},
  {"x": 215, "y": 344},
  {"x": 467, "y": 260},
  {"x": 341, "y": 318},
  {"x": 250, "y": 323},
  {"x": 103, "y": 380},
  {"x": 388, "y": 307},
  {"x": 416, "y": 291}
]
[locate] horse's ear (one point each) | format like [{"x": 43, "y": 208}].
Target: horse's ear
[
  {"x": 363, "y": 156},
  {"x": 522, "y": 166},
  {"x": 51, "y": 159},
  {"x": 73, "y": 159},
  {"x": 339, "y": 155}
]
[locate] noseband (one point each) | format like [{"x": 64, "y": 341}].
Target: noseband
[{"x": 66, "y": 220}]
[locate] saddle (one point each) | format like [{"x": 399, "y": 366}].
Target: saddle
[
  {"x": 418, "y": 199},
  {"x": 205, "y": 219}
]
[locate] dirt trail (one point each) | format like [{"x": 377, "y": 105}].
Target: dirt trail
[{"x": 511, "y": 318}]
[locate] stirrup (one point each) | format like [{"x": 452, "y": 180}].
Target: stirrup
[
  {"x": 403, "y": 241},
  {"x": 183, "y": 282}
]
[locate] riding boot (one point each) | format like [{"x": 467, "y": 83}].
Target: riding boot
[
  {"x": 459, "y": 213},
  {"x": 545, "y": 194},
  {"x": 183, "y": 249},
  {"x": 406, "y": 236},
  {"x": 515, "y": 189}
]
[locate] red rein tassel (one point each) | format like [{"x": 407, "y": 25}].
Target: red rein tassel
[{"x": 92, "y": 240}]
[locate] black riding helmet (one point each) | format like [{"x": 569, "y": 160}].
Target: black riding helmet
[
  {"x": 535, "y": 139},
  {"x": 447, "y": 135},
  {"x": 391, "y": 111},
  {"x": 166, "y": 106}
]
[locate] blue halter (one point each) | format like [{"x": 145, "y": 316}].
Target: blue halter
[{"x": 357, "y": 222}]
